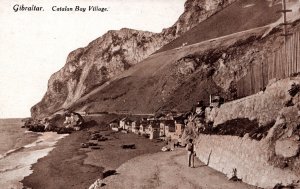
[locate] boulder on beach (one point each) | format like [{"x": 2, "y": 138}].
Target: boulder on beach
[
  {"x": 74, "y": 120},
  {"x": 37, "y": 128},
  {"x": 128, "y": 146},
  {"x": 84, "y": 145}
]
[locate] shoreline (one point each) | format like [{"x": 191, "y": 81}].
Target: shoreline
[
  {"x": 22, "y": 142},
  {"x": 13, "y": 136},
  {"x": 16, "y": 163},
  {"x": 70, "y": 166}
]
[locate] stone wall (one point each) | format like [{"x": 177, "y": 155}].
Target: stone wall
[
  {"x": 249, "y": 157},
  {"x": 264, "y": 162},
  {"x": 263, "y": 106}
]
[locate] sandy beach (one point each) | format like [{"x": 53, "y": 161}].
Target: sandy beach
[
  {"x": 70, "y": 166},
  {"x": 164, "y": 170},
  {"x": 19, "y": 149}
]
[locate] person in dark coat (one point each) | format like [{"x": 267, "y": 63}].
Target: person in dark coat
[{"x": 191, "y": 153}]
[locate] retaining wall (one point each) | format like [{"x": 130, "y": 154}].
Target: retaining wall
[
  {"x": 249, "y": 157},
  {"x": 253, "y": 159},
  {"x": 263, "y": 106}
]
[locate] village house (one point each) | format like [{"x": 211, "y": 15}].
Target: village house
[
  {"x": 153, "y": 129},
  {"x": 122, "y": 123},
  {"x": 125, "y": 124},
  {"x": 179, "y": 126},
  {"x": 135, "y": 126},
  {"x": 128, "y": 125},
  {"x": 114, "y": 123},
  {"x": 143, "y": 127},
  {"x": 163, "y": 124},
  {"x": 170, "y": 129}
]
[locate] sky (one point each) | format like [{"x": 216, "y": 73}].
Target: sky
[{"x": 34, "y": 45}]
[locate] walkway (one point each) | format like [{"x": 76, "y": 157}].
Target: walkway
[{"x": 168, "y": 170}]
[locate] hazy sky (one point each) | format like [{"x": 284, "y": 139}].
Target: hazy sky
[{"x": 33, "y": 45}]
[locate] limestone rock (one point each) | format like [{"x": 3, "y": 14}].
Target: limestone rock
[
  {"x": 187, "y": 67},
  {"x": 287, "y": 148},
  {"x": 116, "y": 51},
  {"x": 195, "y": 11},
  {"x": 93, "y": 65},
  {"x": 97, "y": 184},
  {"x": 258, "y": 106}
]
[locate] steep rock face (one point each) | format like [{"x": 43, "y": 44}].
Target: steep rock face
[
  {"x": 174, "y": 80},
  {"x": 196, "y": 11},
  {"x": 89, "y": 67},
  {"x": 237, "y": 17},
  {"x": 111, "y": 54}
]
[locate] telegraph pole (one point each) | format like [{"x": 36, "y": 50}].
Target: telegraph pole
[
  {"x": 285, "y": 23},
  {"x": 285, "y": 34}
]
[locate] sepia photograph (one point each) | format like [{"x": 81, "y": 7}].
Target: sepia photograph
[{"x": 150, "y": 94}]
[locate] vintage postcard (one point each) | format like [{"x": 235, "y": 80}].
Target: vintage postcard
[{"x": 192, "y": 94}]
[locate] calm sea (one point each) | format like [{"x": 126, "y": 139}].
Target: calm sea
[{"x": 19, "y": 149}]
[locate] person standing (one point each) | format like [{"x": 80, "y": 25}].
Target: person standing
[{"x": 190, "y": 149}]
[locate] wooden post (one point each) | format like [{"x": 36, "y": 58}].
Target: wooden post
[
  {"x": 285, "y": 23},
  {"x": 262, "y": 72},
  {"x": 298, "y": 51}
]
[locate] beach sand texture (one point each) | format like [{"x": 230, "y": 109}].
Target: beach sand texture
[
  {"x": 168, "y": 170},
  {"x": 70, "y": 166}
]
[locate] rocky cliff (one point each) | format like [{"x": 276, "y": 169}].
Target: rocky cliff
[
  {"x": 196, "y": 11},
  {"x": 89, "y": 67}
]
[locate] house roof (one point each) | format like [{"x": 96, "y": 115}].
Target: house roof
[
  {"x": 154, "y": 124},
  {"x": 160, "y": 116},
  {"x": 180, "y": 121},
  {"x": 114, "y": 121},
  {"x": 126, "y": 119},
  {"x": 167, "y": 122},
  {"x": 170, "y": 123},
  {"x": 144, "y": 123}
]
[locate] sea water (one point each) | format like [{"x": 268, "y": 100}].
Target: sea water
[{"x": 19, "y": 149}]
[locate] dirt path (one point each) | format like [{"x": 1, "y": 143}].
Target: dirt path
[{"x": 168, "y": 170}]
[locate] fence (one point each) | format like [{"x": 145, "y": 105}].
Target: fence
[{"x": 279, "y": 64}]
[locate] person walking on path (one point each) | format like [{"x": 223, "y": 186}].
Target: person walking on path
[{"x": 191, "y": 153}]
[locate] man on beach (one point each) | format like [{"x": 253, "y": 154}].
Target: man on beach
[{"x": 191, "y": 153}]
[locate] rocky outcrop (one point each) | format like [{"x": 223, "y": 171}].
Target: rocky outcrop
[
  {"x": 287, "y": 148},
  {"x": 89, "y": 67},
  {"x": 257, "y": 106},
  {"x": 111, "y": 54},
  {"x": 196, "y": 11}
]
